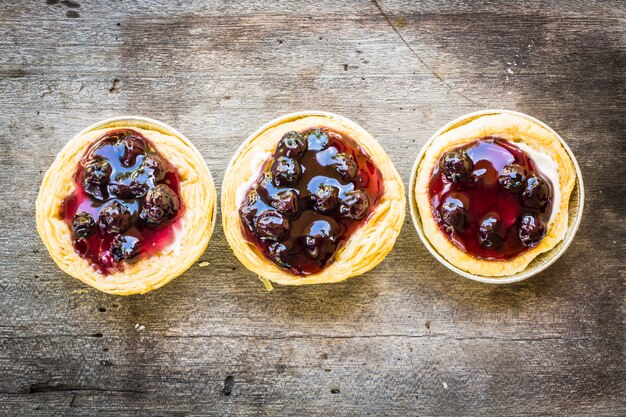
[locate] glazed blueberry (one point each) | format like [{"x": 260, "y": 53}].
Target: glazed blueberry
[
  {"x": 490, "y": 232},
  {"x": 115, "y": 217},
  {"x": 355, "y": 206},
  {"x": 292, "y": 145},
  {"x": 512, "y": 178},
  {"x": 160, "y": 206},
  {"x": 125, "y": 248},
  {"x": 272, "y": 226},
  {"x": 286, "y": 202},
  {"x": 326, "y": 198},
  {"x": 153, "y": 168},
  {"x": 531, "y": 230},
  {"x": 456, "y": 166},
  {"x": 317, "y": 139},
  {"x": 135, "y": 189},
  {"x": 248, "y": 212},
  {"x": 83, "y": 225},
  {"x": 131, "y": 147},
  {"x": 453, "y": 213},
  {"x": 285, "y": 171},
  {"x": 536, "y": 193},
  {"x": 278, "y": 253},
  {"x": 345, "y": 166},
  {"x": 319, "y": 238},
  {"x": 97, "y": 173}
]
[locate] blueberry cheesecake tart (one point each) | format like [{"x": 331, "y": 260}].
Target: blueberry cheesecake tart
[
  {"x": 493, "y": 193},
  {"x": 311, "y": 198},
  {"x": 127, "y": 206}
]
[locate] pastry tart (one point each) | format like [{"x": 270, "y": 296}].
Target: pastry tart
[
  {"x": 127, "y": 206},
  {"x": 311, "y": 198},
  {"x": 492, "y": 192}
]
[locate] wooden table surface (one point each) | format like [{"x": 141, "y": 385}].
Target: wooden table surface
[{"x": 409, "y": 338}]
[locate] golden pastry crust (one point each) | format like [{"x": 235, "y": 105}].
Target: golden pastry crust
[
  {"x": 514, "y": 128},
  {"x": 196, "y": 225},
  {"x": 365, "y": 248}
]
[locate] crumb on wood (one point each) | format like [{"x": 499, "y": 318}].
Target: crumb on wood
[{"x": 203, "y": 264}]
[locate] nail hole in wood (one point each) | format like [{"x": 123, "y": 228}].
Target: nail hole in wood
[{"x": 229, "y": 383}]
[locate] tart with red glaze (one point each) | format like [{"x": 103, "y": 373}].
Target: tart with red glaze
[
  {"x": 311, "y": 198},
  {"x": 493, "y": 192},
  {"x": 127, "y": 206}
]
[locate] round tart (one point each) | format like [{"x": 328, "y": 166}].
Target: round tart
[
  {"x": 311, "y": 198},
  {"x": 492, "y": 192},
  {"x": 127, "y": 206}
]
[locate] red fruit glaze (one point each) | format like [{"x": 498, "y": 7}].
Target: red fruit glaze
[
  {"x": 125, "y": 151},
  {"x": 482, "y": 194},
  {"x": 302, "y": 230}
]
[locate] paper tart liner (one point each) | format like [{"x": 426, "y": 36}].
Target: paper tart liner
[
  {"x": 195, "y": 226},
  {"x": 541, "y": 261},
  {"x": 364, "y": 249}
]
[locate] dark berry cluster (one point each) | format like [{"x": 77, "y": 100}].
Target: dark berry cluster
[
  {"x": 477, "y": 178},
  {"x": 306, "y": 196},
  {"x": 127, "y": 191}
]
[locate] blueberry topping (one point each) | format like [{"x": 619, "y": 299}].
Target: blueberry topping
[
  {"x": 536, "y": 194},
  {"x": 123, "y": 201},
  {"x": 500, "y": 209},
  {"x": 286, "y": 202},
  {"x": 83, "y": 225},
  {"x": 308, "y": 198},
  {"x": 248, "y": 212},
  {"x": 286, "y": 171},
  {"x": 278, "y": 253},
  {"x": 355, "y": 205},
  {"x": 456, "y": 166},
  {"x": 292, "y": 145},
  {"x": 135, "y": 189},
  {"x": 531, "y": 230},
  {"x": 153, "y": 167},
  {"x": 326, "y": 198},
  {"x": 96, "y": 174},
  {"x": 272, "y": 226},
  {"x": 319, "y": 238},
  {"x": 317, "y": 139},
  {"x": 132, "y": 146},
  {"x": 490, "y": 232},
  {"x": 512, "y": 178},
  {"x": 125, "y": 247},
  {"x": 345, "y": 166},
  {"x": 115, "y": 217},
  {"x": 453, "y": 213},
  {"x": 160, "y": 206}
]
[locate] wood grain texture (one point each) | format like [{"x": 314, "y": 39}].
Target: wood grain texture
[{"x": 407, "y": 339}]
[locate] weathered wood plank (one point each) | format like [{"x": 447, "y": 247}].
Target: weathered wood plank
[{"x": 408, "y": 338}]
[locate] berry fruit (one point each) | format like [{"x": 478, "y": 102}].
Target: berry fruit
[
  {"x": 512, "y": 178},
  {"x": 456, "y": 166},
  {"x": 531, "y": 230},
  {"x": 159, "y": 206},
  {"x": 292, "y": 145}
]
